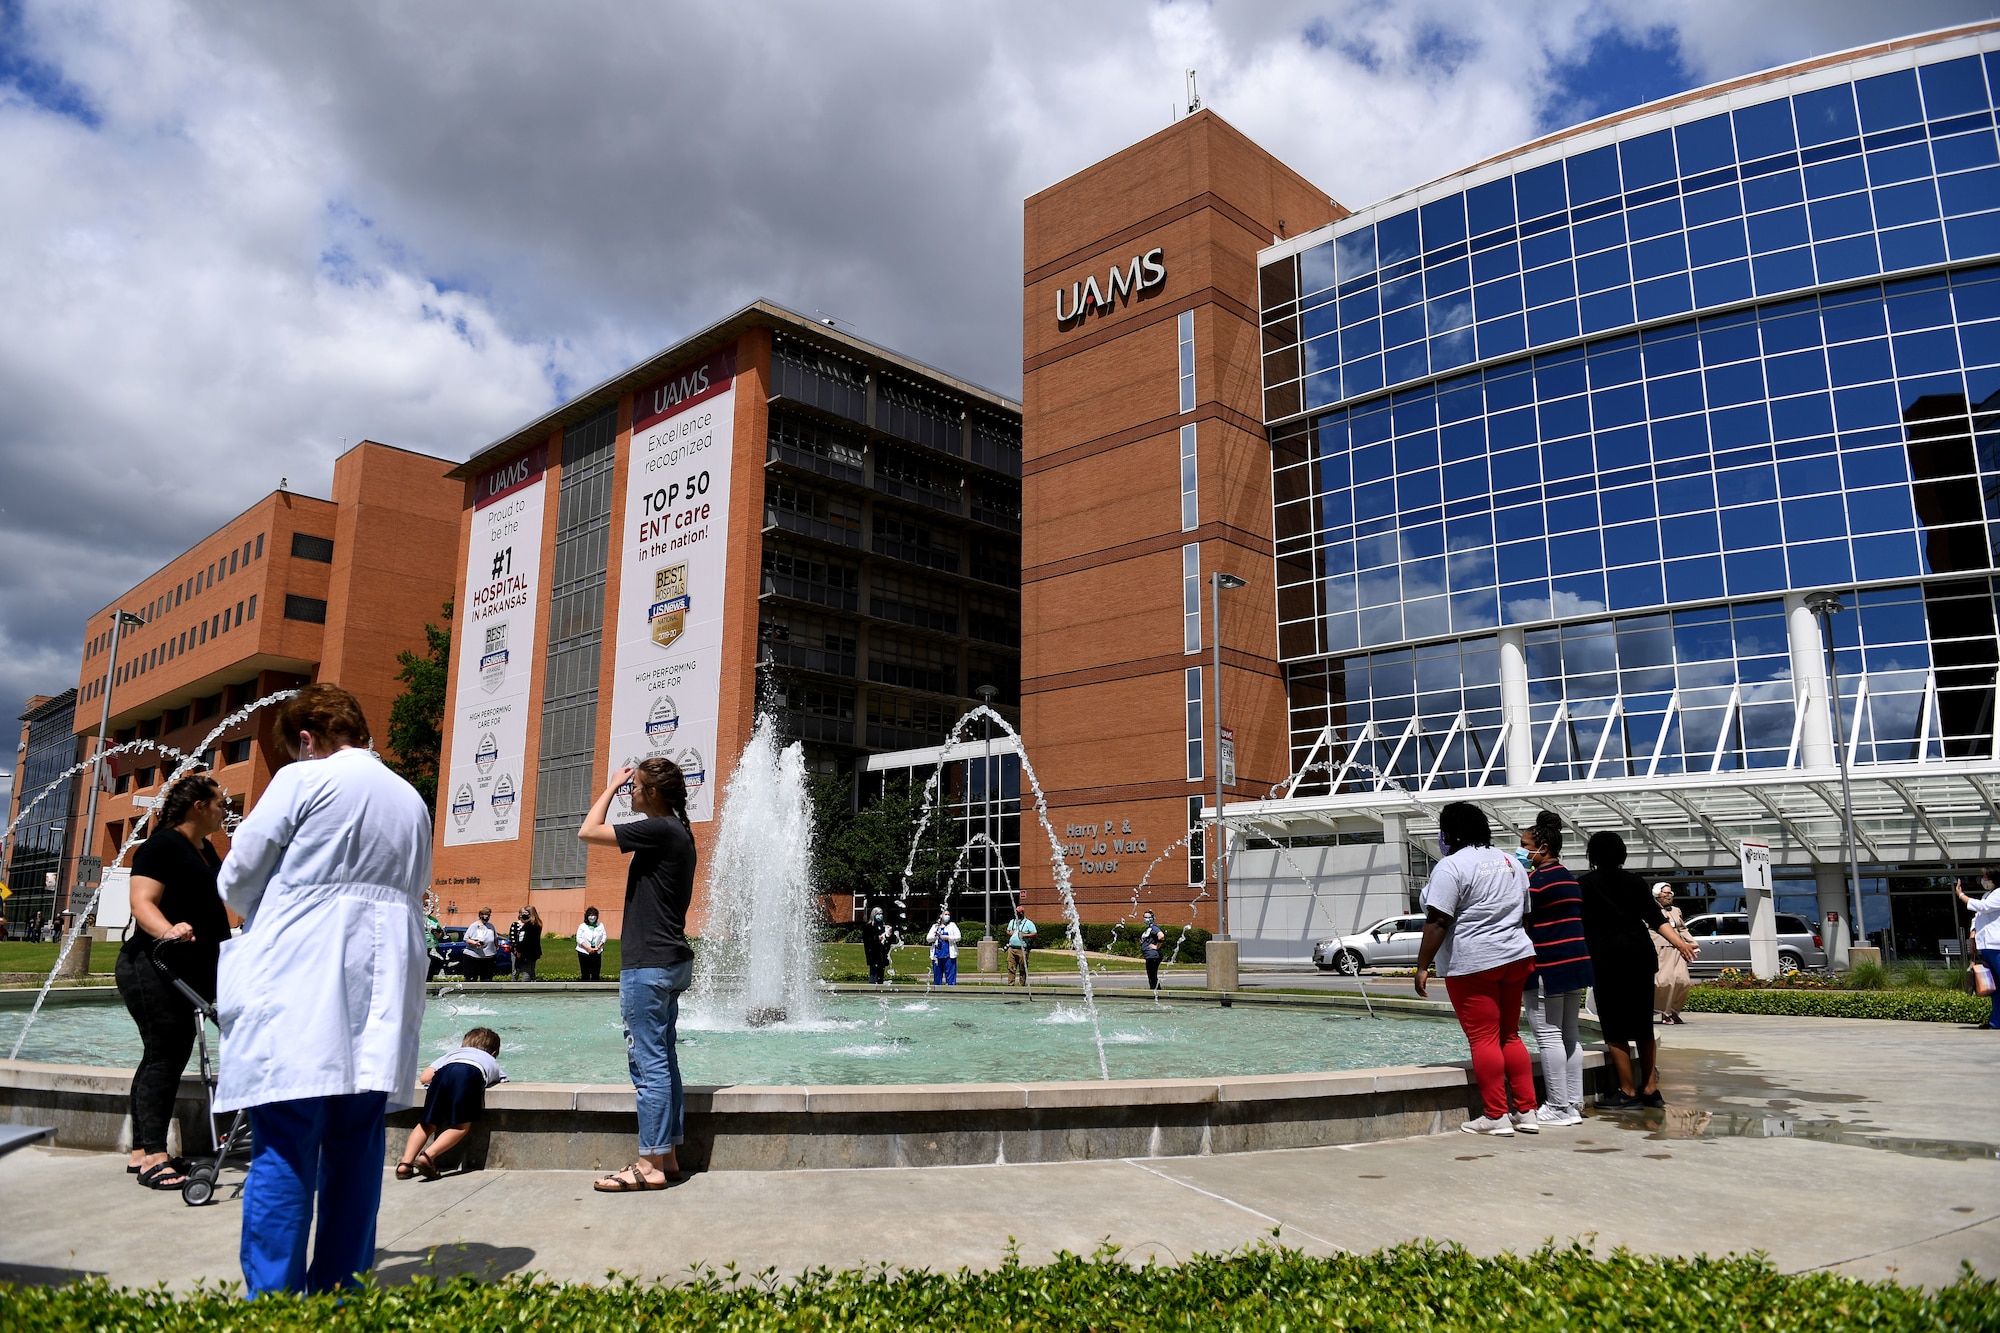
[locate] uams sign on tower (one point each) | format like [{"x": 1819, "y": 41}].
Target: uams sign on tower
[{"x": 1146, "y": 272}]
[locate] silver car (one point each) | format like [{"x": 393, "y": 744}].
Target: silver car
[
  {"x": 1723, "y": 939},
  {"x": 1390, "y": 942}
]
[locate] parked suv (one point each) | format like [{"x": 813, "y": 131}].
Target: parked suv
[
  {"x": 1724, "y": 941},
  {"x": 1390, "y": 942}
]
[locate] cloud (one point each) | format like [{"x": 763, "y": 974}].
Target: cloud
[{"x": 259, "y": 230}]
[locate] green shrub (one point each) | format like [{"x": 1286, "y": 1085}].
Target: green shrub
[
  {"x": 1866, "y": 976},
  {"x": 1928, "y": 1005},
  {"x": 1432, "y": 1287}
]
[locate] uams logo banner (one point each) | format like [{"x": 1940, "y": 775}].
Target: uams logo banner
[
  {"x": 496, "y": 650},
  {"x": 1146, "y": 272},
  {"x": 673, "y": 554}
]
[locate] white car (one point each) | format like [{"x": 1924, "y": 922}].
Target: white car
[{"x": 1390, "y": 942}]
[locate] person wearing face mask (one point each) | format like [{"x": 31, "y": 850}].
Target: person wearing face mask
[
  {"x": 943, "y": 940},
  {"x": 1152, "y": 940},
  {"x": 322, "y": 996},
  {"x": 1554, "y": 995},
  {"x": 877, "y": 939},
  {"x": 590, "y": 937},
  {"x": 526, "y": 936},
  {"x": 1474, "y": 908},
  {"x": 482, "y": 947},
  {"x": 173, "y": 898}
]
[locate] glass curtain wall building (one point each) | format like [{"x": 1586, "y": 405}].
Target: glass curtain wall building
[{"x": 1566, "y": 438}]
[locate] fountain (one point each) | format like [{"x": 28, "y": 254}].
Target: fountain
[
  {"x": 759, "y": 955},
  {"x": 784, "y": 1072}
]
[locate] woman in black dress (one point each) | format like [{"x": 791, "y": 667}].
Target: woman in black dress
[
  {"x": 526, "y": 936},
  {"x": 1620, "y": 918},
  {"x": 173, "y": 898}
]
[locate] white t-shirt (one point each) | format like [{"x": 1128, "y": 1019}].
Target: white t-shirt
[
  {"x": 1986, "y": 921},
  {"x": 1485, "y": 893}
]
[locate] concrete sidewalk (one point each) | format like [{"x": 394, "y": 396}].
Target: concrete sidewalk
[{"x": 1868, "y": 1148}]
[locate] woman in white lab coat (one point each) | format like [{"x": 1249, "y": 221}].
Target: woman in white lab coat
[{"x": 322, "y": 996}]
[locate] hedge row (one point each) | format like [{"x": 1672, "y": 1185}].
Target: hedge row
[
  {"x": 1922, "y": 1006},
  {"x": 1412, "y": 1287}
]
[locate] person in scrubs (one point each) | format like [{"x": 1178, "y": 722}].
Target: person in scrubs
[{"x": 322, "y": 996}]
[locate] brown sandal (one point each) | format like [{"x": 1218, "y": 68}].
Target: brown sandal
[
  {"x": 617, "y": 1183},
  {"x": 426, "y": 1167},
  {"x": 404, "y": 1171}
]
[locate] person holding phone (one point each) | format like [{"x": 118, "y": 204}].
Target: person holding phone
[{"x": 1986, "y": 929}]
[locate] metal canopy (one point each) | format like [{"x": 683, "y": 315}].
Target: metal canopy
[{"x": 1922, "y": 812}]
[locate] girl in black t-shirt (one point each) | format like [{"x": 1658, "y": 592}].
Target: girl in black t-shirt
[
  {"x": 173, "y": 898},
  {"x": 657, "y": 963}
]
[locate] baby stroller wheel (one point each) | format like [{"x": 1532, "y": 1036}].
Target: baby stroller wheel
[{"x": 199, "y": 1189}]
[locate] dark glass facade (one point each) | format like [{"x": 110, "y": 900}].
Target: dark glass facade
[
  {"x": 39, "y": 840},
  {"x": 1626, "y": 394}
]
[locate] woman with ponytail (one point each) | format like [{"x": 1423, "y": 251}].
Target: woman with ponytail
[
  {"x": 1554, "y": 996},
  {"x": 656, "y": 963},
  {"x": 173, "y": 898}
]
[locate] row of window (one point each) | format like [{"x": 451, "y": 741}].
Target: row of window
[
  {"x": 1897, "y": 172},
  {"x": 811, "y": 374},
  {"x": 202, "y": 579},
  {"x": 1671, "y": 466},
  {"x": 214, "y": 627}
]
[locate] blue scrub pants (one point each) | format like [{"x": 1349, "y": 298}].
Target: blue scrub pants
[
  {"x": 1991, "y": 957},
  {"x": 649, "y": 1000},
  {"x": 944, "y": 971},
  {"x": 316, "y": 1150}
]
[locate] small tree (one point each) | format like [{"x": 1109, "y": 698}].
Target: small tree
[
  {"x": 865, "y": 851},
  {"x": 416, "y": 718}
]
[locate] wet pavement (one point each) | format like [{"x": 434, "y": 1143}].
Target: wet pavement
[{"x": 1869, "y": 1148}]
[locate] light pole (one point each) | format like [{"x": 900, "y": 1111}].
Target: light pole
[
  {"x": 119, "y": 619},
  {"x": 986, "y": 693},
  {"x": 1826, "y": 605},
  {"x": 1218, "y": 855}
]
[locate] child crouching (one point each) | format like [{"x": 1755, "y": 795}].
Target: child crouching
[{"x": 457, "y": 1097}]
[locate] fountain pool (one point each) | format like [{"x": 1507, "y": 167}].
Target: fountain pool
[{"x": 864, "y": 1039}]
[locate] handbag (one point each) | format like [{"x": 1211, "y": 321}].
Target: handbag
[{"x": 1982, "y": 979}]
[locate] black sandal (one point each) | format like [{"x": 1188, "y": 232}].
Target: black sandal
[
  {"x": 426, "y": 1167},
  {"x": 156, "y": 1177},
  {"x": 404, "y": 1171}
]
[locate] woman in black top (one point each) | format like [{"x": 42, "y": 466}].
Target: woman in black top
[
  {"x": 173, "y": 898},
  {"x": 526, "y": 936},
  {"x": 656, "y": 963},
  {"x": 1620, "y": 917}
]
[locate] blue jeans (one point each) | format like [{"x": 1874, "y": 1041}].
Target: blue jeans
[
  {"x": 649, "y": 1000},
  {"x": 944, "y": 971},
  {"x": 1991, "y": 957},
  {"x": 326, "y": 1150}
]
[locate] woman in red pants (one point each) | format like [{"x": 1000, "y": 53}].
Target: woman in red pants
[{"x": 1475, "y": 908}]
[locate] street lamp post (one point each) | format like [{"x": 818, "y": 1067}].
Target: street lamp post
[
  {"x": 1218, "y": 855},
  {"x": 986, "y": 693},
  {"x": 1826, "y": 605},
  {"x": 119, "y": 619}
]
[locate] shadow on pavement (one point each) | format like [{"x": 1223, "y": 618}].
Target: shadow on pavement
[
  {"x": 35, "y": 1275},
  {"x": 474, "y": 1259}
]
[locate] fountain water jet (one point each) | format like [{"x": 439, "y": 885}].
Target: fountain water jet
[{"x": 759, "y": 957}]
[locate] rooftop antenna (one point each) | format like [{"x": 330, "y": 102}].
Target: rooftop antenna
[{"x": 1193, "y": 97}]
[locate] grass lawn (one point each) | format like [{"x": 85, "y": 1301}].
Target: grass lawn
[{"x": 20, "y": 956}]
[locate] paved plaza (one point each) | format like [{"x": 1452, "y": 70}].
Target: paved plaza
[{"x": 1868, "y": 1148}]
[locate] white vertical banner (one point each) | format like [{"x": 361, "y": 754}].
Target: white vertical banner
[
  {"x": 494, "y": 647},
  {"x": 1754, "y": 854},
  {"x": 673, "y": 557}
]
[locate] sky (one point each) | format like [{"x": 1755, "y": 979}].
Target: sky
[{"x": 242, "y": 237}]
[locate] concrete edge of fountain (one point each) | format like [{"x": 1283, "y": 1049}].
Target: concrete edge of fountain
[{"x": 575, "y": 1126}]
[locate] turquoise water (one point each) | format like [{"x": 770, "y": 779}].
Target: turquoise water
[{"x": 863, "y": 1039}]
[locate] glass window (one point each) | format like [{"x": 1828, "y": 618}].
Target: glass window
[
  {"x": 1187, "y": 360},
  {"x": 1191, "y": 597},
  {"x": 1190, "y": 481}
]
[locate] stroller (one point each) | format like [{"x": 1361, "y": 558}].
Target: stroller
[{"x": 234, "y": 1144}]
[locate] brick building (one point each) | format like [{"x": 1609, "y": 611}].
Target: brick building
[
  {"x": 293, "y": 589},
  {"x": 769, "y": 490},
  {"x": 1147, "y": 471}
]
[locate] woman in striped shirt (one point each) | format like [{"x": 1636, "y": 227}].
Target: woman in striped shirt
[{"x": 1554, "y": 995}]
